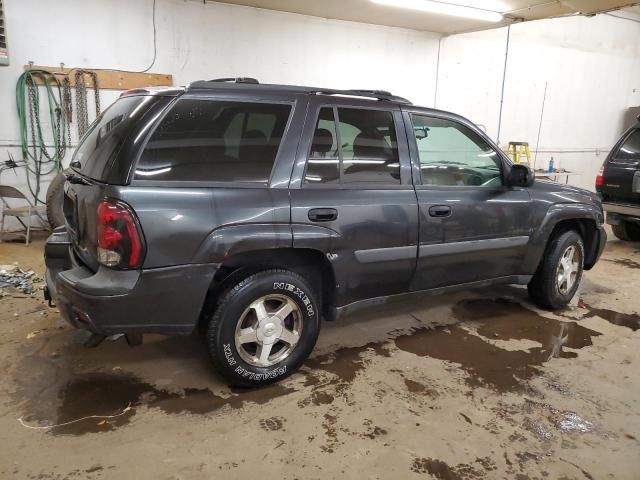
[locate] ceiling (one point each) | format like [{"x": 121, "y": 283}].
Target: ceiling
[{"x": 366, "y": 11}]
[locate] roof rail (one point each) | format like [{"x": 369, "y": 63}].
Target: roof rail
[
  {"x": 236, "y": 80},
  {"x": 210, "y": 83},
  {"x": 248, "y": 82},
  {"x": 377, "y": 94}
]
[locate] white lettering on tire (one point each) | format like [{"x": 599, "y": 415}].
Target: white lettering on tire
[
  {"x": 228, "y": 354},
  {"x": 297, "y": 292},
  {"x": 276, "y": 372}
]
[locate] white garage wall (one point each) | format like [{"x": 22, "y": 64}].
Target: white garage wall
[
  {"x": 197, "y": 41},
  {"x": 591, "y": 65},
  {"x": 592, "y": 70}
]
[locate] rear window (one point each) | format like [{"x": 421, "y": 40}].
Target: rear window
[
  {"x": 630, "y": 149},
  {"x": 106, "y": 135},
  {"x": 367, "y": 151},
  {"x": 216, "y": 141}
]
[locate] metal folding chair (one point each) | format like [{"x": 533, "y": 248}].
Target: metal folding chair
[{"x": 27, "y": 211}]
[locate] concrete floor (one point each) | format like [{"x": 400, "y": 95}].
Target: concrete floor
[{"x": 473, "y": 385}]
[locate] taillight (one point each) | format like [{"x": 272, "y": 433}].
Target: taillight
[
  {"x": 120, "y": 242},
  {"x": 600, "y": 177}
]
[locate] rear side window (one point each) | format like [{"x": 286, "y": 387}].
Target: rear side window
[
  {"x": 215, "y": 141},
  {"x": 630, "y": 149},
  {"x": 353, "y": 145},
  {"x": 106, "y": 136}
]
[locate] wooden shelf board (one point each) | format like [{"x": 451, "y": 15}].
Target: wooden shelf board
[{"x": 112, "y": 79}]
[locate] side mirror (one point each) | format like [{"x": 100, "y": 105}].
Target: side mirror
[{"x": 519, "y": 176}]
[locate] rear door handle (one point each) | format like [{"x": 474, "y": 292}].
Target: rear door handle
[
  {"x": 440, "y": 211},
  {"x": 323, "y": 214}
]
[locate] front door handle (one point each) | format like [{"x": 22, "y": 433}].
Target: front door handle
[
  {"x": 440, "y": 211},
  {"x": 323, "y": 214}
]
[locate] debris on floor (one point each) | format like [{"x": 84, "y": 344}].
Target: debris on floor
[{"x": 12, "y": 276}]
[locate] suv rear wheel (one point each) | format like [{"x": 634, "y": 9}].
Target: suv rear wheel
[
  {"x": 627, "y": 231},
  {"x": 263, "y": 328},
  {"x": 559, "y": 274}
]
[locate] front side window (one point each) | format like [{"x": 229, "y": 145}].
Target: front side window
[
  {"x": 352, "y": 145},
  {"x": 452, "y": 154},
  {"x": 216, "y": 141},
  {"x": 630, "y": 149}
]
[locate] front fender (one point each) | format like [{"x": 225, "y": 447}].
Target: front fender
[{"x": 556, "y": 214}]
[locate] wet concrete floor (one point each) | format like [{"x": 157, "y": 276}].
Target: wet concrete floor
[{"x": 477, "y": 384}]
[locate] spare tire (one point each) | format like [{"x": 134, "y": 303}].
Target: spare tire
[{"x": 55, "y": 194}]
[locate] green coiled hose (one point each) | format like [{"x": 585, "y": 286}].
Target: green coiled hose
[{"x": 39, "y": 160}]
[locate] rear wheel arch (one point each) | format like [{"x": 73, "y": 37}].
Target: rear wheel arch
[{"x": 311, "y": 264}]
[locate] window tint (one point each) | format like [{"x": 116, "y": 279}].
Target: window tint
[
  {"x": 105, "y": 137},
  {"x": 367, "y": 152},
  {"x": 322, "y": 165},
  {"x": 452, "y": 154},
  {"x": 210, "y": 140},
  {"x": 630, "y": 149},
  {"x": 369, "y": 146}
]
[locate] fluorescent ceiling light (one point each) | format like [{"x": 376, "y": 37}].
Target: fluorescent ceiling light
[{"x": 471, "y": 9}]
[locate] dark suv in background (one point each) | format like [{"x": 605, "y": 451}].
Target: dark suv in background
[
  {"x": 256, "y": 210},
  {"x": 618, "y": 184}
]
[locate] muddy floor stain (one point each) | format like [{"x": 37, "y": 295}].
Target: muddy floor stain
[
  {"x": 443, "y": 471},
  {"x": 625, "y": 262},
  {"x": 487, "y": 364}
]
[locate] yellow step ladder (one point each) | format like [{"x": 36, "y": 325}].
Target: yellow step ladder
[{"x": 519, "y": 152}]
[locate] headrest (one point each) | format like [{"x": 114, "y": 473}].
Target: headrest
[
  {"x": 322, "y": 141},
  {"x": 370, "y": 146}
]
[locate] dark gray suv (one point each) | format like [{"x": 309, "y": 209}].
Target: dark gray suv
[{"x": 255, "y": 210}]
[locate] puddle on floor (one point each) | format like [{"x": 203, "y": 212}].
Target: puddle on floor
[
  {"x": 345, "y": 362},
  {"x": 489, "y": 365},
  {"x": 629, "y": 320},
  {"x": 65, "y": 397},
  {"x": 110, "y": 400}
]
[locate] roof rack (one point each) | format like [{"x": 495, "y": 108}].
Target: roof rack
[
  {"x": 236, "y": 80},
  {"x": 376, "y": 94},
  {"x": 205, "y": 83},
  {"x": 372, "y": 94}
]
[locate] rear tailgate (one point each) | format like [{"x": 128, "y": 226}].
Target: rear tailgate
[
  {"x": 622, "y": 171},
  {"x": 104, "y": 158},
  {"x": 80, "y": 206}
]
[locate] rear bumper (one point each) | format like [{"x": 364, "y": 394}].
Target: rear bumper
[
  {"x": 160, "y": 300},
  {"x": 621, "y": 211}
]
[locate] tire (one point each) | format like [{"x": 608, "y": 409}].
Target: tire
[
  {"x": 55, "y": 195},
  {"x": 239, "y": 309},
  {"x": 545, "y": 289},
  {"x": 627, "y": 231}
]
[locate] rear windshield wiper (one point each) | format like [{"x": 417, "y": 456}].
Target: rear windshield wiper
[{"x": 75, "y": 178}]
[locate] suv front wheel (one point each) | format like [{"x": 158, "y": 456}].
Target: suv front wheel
[
  {"x": 263, "y": 328},
  {"x": 558, "y": 276}
]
